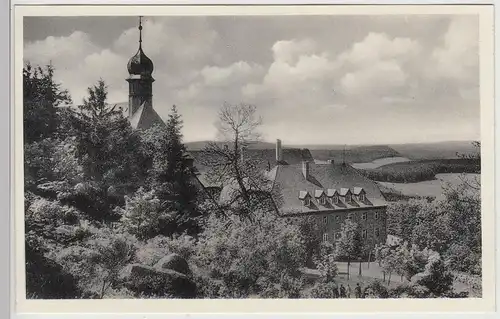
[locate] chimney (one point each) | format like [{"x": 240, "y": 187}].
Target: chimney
[
  {"x": 305, "y": 169},
  {"x": 279, "y": 155}
]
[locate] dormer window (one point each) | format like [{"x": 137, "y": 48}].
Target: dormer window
[
  {"x": 360, "y": 192},
  {"x": 322, "y": 200},
  {"x": 348, "y": 198},
  {"x": 307, "y": 201},
  {"x": 320, "y": 196},
  {"x": 335, "y": 199},
  {"x": 305, "y": 198}
]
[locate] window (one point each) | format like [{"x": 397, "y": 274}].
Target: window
[
  {"x": 338, "y": 235},
  {"x": 325, "y": 220},
  {"x": 363, "y": 216},
  {"x": 349, "y": 216},
  {"x": 307, "y": 201},
  {"x": 376, "y": 215},
  {"x": 362, "y": 197},
  {"x": 377, "y": 232},
  {"x": 337, "y": 218},
  {"x": 348, "y": 198},
  {"x": 322, "y": 200},
  {"x": 363, "y": 234},
  {"x": 335, "y": 199},
  {"x": 325, "y": 237}
]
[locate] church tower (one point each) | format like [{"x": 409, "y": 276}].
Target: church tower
[{"x": 140, "y": 89}]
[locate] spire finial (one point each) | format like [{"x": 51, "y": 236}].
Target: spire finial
[{"x": 140, "y": 31}]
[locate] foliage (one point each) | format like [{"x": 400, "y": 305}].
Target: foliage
[
  {"x": 171, "y": 177},
  {"x": 41, "y": 98},
  {"x": 451, "y": 227},
  {"x": 241, "y": 252},
  {"x": 98, "y": 261},
  {"x": 326, "y": 290},
  {"x": 142, "y": 215},
  {"x": 422, "y": 170},
  {"x": 325, "y": 263},
  {"x": 349, "y": 246},
  {"x": 377, "y": 289},
  {"x": 437, "y": 279}
]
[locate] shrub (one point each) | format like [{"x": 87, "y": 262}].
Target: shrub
[{"x": 324, "y": 290}]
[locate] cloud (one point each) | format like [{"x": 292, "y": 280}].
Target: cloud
[
  {"x": 302, "y": 79},
  {"x": 458, "y": 57},
  {"x": 64, "y": 51},
  {"x": 379, "y": 46},
  {"x": 377, "y": 79}
]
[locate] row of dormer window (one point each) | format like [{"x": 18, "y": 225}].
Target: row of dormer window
[{"x": 333, "y": 196}]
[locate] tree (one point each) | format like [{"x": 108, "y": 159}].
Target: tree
[
  {"x": 248, "y": 189},
  {"x": 172, "y": 177},
  {"x": 142, "y": 216},
  {"x": 349, "y": 246},
  {"x": 247, "y": 255},
  {"x": 108, "y": 151},
  {"x": 436, "y": 278},
  {"x": 41, "y": 98}
]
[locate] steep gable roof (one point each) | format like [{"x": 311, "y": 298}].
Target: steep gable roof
[
  {"x": 289, "y": 181},
  {"x": 344, "y": 191},
  {"x": 145, "y": 117},
  {"x": 358, "y": 190}
]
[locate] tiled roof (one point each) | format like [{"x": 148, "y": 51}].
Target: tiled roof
[
  {"x": 289, "y": 181},
  {"x": 265, "y": 158}
]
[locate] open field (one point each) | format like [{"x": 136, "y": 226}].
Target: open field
[
  {"x": 433, "y": 188},
  {"x": 380, "y": 162}
]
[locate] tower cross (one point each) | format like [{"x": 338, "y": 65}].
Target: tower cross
[{"x": 140, "y": 30}]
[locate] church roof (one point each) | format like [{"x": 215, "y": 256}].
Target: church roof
[
  {"x": 140, "y": 64},
  {"x": 145, "y": 117}
]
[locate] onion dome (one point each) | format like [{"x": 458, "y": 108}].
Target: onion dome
[{"x": 140, "y": 64}]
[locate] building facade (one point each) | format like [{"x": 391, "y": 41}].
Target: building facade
[{"x": 331, "y": 194}]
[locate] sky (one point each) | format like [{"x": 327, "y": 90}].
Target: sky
[{"x": 314, "y": 79}]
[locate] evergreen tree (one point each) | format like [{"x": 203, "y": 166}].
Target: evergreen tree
[
  {"x": 173, "y": 178},
  {"x": 41, "y": 98}
]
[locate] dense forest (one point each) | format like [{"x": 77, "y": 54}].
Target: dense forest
[{"x": 112, "y": 212}]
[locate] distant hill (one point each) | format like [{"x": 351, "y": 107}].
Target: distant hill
[
  {"x": 199, "y": 145},
  {"x": 439, "y": 150},
  {"x": 359, "y": 154}
]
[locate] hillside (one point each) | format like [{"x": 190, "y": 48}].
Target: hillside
[
  {"x": 440, "y": 150},
  {"x": 359, "y": 154},
  {"x": 199, "y": 145}
]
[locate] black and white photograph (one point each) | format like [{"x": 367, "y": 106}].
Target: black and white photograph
[{"x": 252, "y": 156}]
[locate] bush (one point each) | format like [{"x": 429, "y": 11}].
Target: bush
[
  {"x": 326, "y": 290},
  {"x": 378, "y": 289}
]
